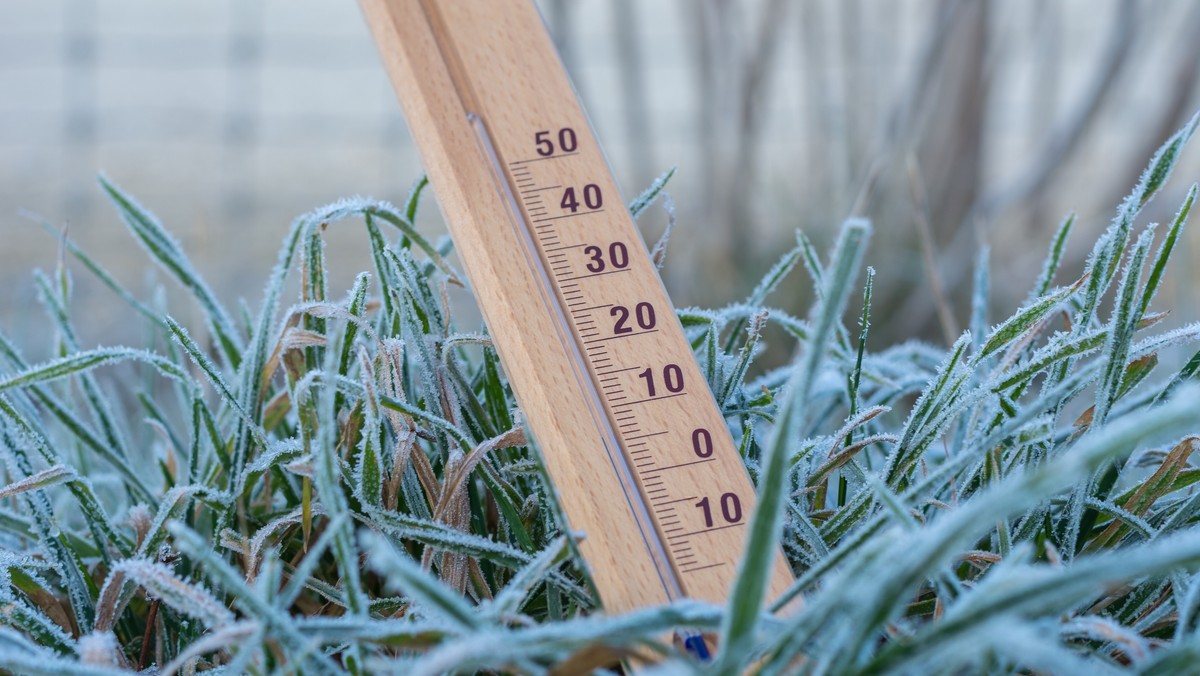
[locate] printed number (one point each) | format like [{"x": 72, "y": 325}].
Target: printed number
[
  {"x": 643, "y": 314},
  {"x": 702, "y": 442},
  {"x": 592, "y": 199},
  {"x": 618, "y": 256},
  {"x": 731, "y": 509},
  {"x": 567, "y": 142},
  {"x": 672, "y": 379}
]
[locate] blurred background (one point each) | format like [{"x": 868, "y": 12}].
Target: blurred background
[{"x": 950, "y": 123}]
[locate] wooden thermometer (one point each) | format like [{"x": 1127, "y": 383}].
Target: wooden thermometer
[{"x": 637, "y": 448}]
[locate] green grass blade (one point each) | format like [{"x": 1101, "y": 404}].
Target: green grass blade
[
  {"x": 168, "y": 252},
  {"x": 762, "y": 541},
  {"x": 1158, "y": 268},
  {"x": 1024, "y": 320},
  {"x": 644, "y": 200},
  {"x": 1054, "y": 258},
  {"x": 1121, "y": 329}
]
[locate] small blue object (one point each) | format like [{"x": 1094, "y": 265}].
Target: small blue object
[{"x": 694, "y": 643}]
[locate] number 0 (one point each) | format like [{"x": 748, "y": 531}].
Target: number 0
[
  {"x": 591, "y": 196},
  {"x": 731, "y": 507},
  {"x": 566, "y": 140}
]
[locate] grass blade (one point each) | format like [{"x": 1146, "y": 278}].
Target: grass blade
[{"x": 762, "y": 542}]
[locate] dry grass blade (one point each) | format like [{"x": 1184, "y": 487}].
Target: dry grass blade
[
  {"x": 43, "y": 479},
  {"x": 1151, "y": 489}
]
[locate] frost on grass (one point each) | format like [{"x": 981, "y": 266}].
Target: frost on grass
[{"x": 342, "y": 482}]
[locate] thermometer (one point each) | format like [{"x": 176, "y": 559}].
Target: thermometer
[{"x": 633, "y": 441}]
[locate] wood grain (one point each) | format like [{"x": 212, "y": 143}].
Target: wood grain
[{"x": 588, "y": 339}]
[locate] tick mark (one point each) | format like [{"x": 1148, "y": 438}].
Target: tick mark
[
  {"x": 549, "y": 187},
  {"x": 693, "y": 570},
  {"x": 685, "y": 464},
  {"x": 595, "y": 307},
  {"x": 539, "y": 159},
  {"x": 708, "y": 530},
  {"x": 643, "y": 436},
  {"x": 555, "y": 218},
  {"x": 623, "y": 335},
  {"x": 659, "y": 504},
  {"x": 597, "y": 274},
  {"x": 665, "y": 396},
  {"x": 605, "y": 373}
]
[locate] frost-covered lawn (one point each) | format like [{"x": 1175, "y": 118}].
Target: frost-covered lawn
[{"x": 343, "y": 483}]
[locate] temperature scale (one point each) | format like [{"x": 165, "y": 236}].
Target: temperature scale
[{"x": 633, "y": 440}]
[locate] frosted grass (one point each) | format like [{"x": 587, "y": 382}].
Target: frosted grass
[{"x": 341, "y": 481}]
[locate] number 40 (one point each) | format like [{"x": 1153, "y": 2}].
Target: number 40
[{"x": 592, "y": 199}]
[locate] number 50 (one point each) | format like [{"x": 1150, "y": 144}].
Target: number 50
[{"x": 567, "y": 142}]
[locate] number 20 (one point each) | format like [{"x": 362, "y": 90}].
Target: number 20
[{"x": 643, "y": 314}]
